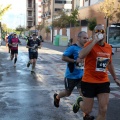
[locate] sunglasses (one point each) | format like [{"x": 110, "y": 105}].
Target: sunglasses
[
  {"x": 102, "y": 31},
  {"x": 85, "y": 37}
]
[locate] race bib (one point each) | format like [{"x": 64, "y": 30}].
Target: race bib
[
  {"x": 101, "y": 64},
  {"x": 80, "y": 65},
  {"x": 35, "y": 48},
  {"x": 14, "y": 44}
]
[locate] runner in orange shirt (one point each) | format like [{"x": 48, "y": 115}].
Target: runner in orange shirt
[{"x": 95, "y": 81}]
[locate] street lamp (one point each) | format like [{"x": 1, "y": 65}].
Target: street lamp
[
  {"x": 52, "y": 21},
  {"x": 107, "y": 23}
]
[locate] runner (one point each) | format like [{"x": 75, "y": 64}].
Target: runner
[
  {"x": 9, "y": 39},
  {"x": 95, "y": 81},
  {"x": 6, "y": 40},
  {"x": 33, "y": 46},
  {"x": 14, "y": 47},
  {"x": 74, "y": 70}
]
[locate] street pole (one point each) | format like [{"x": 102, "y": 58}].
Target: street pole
[
  {"x": 52, "y": 21},
  {"x": 107, "y": 22}
]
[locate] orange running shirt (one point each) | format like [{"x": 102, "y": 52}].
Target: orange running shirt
[{"x": 96, "y": 64}]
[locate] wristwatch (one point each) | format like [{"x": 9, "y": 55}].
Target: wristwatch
[{"x": 74, "y": 61}]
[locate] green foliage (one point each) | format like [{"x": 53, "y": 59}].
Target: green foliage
[
  {"x": 92, "y": 22},
  {"x": 73, "y": 18},
  {"x": 4, "y": 27},
  {"x": 4, "y": 10},
  {"x": 20, "y": 29},
  {"x": 47, "y": 29},
  {"x": 62, "y": 21},
  {"x": 40, "y": 27},
  {"x": 65, "y": 19},
  {"x": 108, "y": 7}
]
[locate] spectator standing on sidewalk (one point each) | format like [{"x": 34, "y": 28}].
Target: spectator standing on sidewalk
[
  {"x": 33, "y": 45},
  {"x": 95, "y": 82},
  {"x": 74, "y": 70}
]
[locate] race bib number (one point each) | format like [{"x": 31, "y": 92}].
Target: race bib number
[
  {"x": 14, "y": 44},
  {"x": 101, "y": 64},
  {"x": 80, "y": 65}
]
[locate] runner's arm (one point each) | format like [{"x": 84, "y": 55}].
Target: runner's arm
[
  {"x": 19, "y": 42},
  {"x": 86, "y": 50},
  {"x": 112, "y": 72},
  {"x": 68, "y": 59},
  {"x": 39, "y": 44},
  {"x": 28, "y": 44}
]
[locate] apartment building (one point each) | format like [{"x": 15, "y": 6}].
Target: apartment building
[
  {"x": 49, "y": 13},
  {"x": 33, "y": 13},
  {"x": 30, "y": 14},
  {"x": 50, "y": 8},
  {"x": 45, "y": 11},
  {"x": 87, "y": 9}
]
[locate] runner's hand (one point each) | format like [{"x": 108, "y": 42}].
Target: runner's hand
[
  {"x": 117, "y": 81},
  {"x": 96, "y": 38},
  {"x": 79, "y": 60}
]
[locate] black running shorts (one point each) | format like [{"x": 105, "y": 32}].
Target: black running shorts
[
  {"x": 91, "y": 90},
  {"x": 71, "y": 83},
  {"x": 33, "y": 55},
  {"x": 14, "y": 52}
]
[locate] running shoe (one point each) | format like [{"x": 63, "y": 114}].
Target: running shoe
[
  {"x": 28, "y": 64},
  {"x": 76, "y": 106},
  {"x": 56, "y": 101},
  {"x": 88, "y": 117},
  {"x": 32, "y": 70},
  {"x": 11, "y": 58},
  {"x": 14, "y": 65}
]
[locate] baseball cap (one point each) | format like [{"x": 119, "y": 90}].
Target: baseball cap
[{"x": 14, "y": 33}]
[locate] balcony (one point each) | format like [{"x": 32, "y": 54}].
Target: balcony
[
  {"x": 43, "y": 16},
  {"x": 30, "y": 8},
  {"x": 48, "y": 14},
  {"x": 43, "y": 2},
  {"x": 29, "y": 18}
]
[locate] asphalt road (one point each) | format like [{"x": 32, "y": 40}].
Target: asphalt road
[{"x": 24, "y": 96}]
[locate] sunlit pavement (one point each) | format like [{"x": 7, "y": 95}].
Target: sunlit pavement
[{"x": 30, "y": 97}]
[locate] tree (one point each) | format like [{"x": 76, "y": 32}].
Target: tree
[
  {"x": 47, "y": 29},
  {"x": 92, "y": 22},
  {"x": 110, "y": 10},
  {"x": 4, "y": 27},
  {"x": 73, "y": 18},
  {"x": 40, "y": 27},
  {"x": 64, "y": 20},
  {"x": 20, "y": 29},
  {"x": 4, "y": 10}
]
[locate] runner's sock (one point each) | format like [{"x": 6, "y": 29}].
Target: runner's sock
[{"x": 15, "y": 60}]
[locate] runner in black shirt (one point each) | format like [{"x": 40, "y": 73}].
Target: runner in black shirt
[{"x": 33, "y": 46}]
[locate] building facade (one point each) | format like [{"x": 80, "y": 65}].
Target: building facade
[
  {"x": 46, "y": 12},
  {"x": 33, "y": 13}
]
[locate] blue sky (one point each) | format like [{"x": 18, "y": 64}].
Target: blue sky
[{"x": 16, "y": 15}]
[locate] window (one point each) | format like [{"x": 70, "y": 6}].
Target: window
[
  {"x": 57, "y": 9},
  {"x": 62, "y": 2},
  {"x": 29, "y": 13},
  {"x": 84, "y": 22}
]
